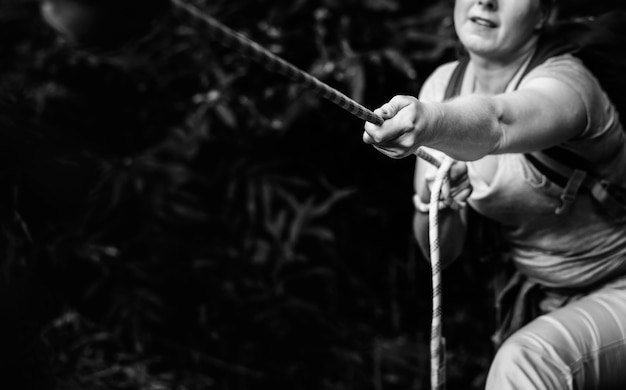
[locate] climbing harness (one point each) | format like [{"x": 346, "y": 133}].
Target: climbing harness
[{"x": 236, "y": 41}]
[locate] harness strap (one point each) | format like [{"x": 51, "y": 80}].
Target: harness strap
[
  {"x": 456, "y": 79},
  {"x": 612, "y": 197},
  {"x": 570, "y": 179},
  {"x": 570, "y": 191}
]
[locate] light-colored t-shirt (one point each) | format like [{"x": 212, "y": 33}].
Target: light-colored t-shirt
[{"x": 582, "y": 247}]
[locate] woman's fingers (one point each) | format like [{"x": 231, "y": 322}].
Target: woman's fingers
[
  {"x": 457, "y": 189},
  {"x": 458, "y": 171},
  {"x": 390, "y": 152},
  {"x": 391, "y": 136},
  {"x": 460, "y": 199},
  {"x": 460, "y": 186},
  {"x": 391, "y": 108}
]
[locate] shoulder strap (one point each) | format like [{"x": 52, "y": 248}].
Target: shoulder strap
[
  {"x": 546, "y": 48},
  {"x": 456, "y": 79},
  {"x": 573, "y": 175}
]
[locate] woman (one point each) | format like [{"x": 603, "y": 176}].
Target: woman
[{"x": 569, "y": 252}]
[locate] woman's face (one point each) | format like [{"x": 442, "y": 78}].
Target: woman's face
[{"x": 497, "y": 29}]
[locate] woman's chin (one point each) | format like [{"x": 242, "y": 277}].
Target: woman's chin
[{"x": 481, "y": 47}]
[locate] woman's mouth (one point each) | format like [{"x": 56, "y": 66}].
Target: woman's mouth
[{"x": 483, "y": 22}]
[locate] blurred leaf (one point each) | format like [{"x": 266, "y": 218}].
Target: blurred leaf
[
  {"x": 382, "y": 5},
  {"x": 401, "y": 63}
]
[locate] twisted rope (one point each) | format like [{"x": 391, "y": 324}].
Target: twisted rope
[
  {"x": 437, "y": 342},
  {"x": 238, "y": 42}
]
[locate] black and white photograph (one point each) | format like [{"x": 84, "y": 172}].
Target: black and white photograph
[{"x": 312, "y": 195}]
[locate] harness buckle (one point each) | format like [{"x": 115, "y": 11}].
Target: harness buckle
[{"x": 568, "y": 196}]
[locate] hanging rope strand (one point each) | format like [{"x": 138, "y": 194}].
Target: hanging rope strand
[
  {"x": 238, "y": 42},
  {"x": 437, "y": 342}
]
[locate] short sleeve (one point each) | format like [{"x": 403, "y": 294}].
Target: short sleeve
[{"x": 570, "y": 70}]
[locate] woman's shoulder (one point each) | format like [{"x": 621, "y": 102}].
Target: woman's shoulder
[
  {"x": 561, "y": 61},
  {"x": 568, "y": 69},
  {"x": 435, "y": 84},
  {"x": 603, "y": 140},
  {"x": 571, "y": 71}
]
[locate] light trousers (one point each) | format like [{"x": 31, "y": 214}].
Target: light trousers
[{"x": 580, "y": 346}]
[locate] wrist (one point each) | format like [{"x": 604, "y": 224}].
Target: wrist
[{"x": 429, "y": 125}]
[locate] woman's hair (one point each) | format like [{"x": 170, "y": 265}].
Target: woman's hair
[{"x": 549, "y": 9}]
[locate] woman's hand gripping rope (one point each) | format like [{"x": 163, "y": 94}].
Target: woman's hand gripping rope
[{"x": 398, "y": 136}]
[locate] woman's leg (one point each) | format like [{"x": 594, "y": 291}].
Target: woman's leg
[{"x": 580, "y": 346}]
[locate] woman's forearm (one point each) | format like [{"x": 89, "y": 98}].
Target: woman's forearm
[{"x": 466, "y": 128}]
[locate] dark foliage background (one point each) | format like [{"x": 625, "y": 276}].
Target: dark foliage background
[{"x": 176, "y": 217}]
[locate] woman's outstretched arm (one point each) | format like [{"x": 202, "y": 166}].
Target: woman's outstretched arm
[{"x": 544, "y": 113}]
